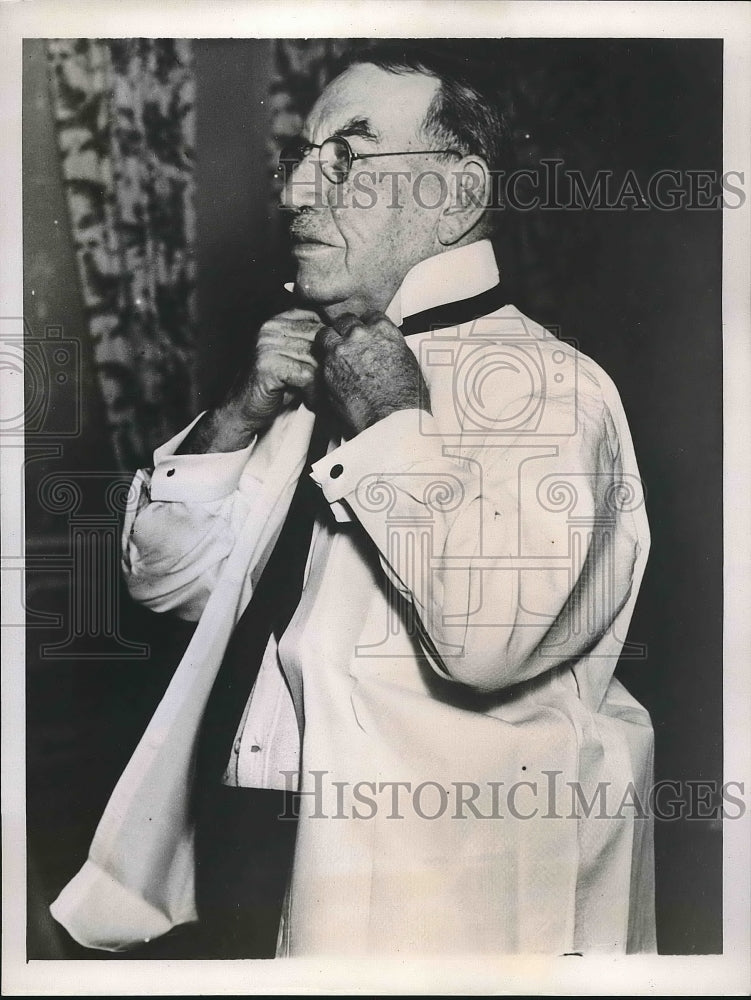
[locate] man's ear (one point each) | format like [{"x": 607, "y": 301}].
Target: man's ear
[{"x": 469, "y": 197}]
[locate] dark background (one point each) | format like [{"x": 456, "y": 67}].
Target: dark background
[{"x": 640, "y": 291}]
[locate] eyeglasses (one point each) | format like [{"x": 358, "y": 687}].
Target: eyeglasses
[{"x": 336, "y": 156}]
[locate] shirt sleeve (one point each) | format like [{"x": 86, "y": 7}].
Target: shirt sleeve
[
  {"x": 477, "y": 536},
  {"x": 181, "y": 524}
]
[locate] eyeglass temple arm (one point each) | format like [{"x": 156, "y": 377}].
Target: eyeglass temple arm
[
  {"x": 404, "y": 152},
  {"x": 308, "y": 148}
]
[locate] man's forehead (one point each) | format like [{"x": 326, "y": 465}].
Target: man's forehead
[{"x": 387, "y": 105}]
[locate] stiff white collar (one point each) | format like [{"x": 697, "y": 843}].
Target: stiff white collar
[{"x": 447, "y": 277}]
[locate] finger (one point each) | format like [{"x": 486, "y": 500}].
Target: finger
[
  {"x": 345, "y": 324},
  {"x": 274, "y": 371},
  {"x": 325, "y": 340},
  {"x": 303, "y": 357},
  {"x": 373, "y": 316},
  {"x": 295, "y": 375},
  {"x": 307, "y": 332},
  {"x": 274, "y": 342},
  {"x": 309, "y": 394},
  {"x": 296, "y": 315},
  {"x": 381, "y": 323},
  {"x": 296, "y": 323}
]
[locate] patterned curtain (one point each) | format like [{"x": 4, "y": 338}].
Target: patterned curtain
[{"x": 124, "y": 111}]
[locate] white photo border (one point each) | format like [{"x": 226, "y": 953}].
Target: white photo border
[{"x": 725, "y": 974}]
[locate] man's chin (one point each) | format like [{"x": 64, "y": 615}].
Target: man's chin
[
  {"x": 328, "y": 295},
  {"x": 318, "y": 289}
]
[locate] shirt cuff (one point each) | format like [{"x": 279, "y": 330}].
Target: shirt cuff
[
  {"x": 197, "y": 478},
  {"x": 398, "y": 442}
]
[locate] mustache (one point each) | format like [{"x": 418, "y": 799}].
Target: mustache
[{"x": 305, "y": 228}]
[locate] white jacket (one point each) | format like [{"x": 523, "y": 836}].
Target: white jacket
[{"x": 477, "y": 778}]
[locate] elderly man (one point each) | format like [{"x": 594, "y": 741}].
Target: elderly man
[{"x": 415, "y": 529}]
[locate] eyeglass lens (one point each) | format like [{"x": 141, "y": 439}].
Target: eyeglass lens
[
  {"x": 334, "y": 158},
  {"x": 335, "y": 161}
]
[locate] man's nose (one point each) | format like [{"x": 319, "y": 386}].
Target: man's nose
[{"x": 305, "y": 185}]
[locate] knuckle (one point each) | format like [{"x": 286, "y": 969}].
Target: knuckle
[
  {"x": 361, "y": 331},
  {"x": 318, "y": 348},
  {"x": 270, "y": 327},
  {"x": 263, "y": 363},
  {"x": 384, "y": 325},
  {"x": 347, "y": 323}
]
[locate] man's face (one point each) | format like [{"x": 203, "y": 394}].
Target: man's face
[{"x": 354, "y": 242}]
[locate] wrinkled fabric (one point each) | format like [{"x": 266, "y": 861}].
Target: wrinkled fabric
[{"x": 474, "y": 778}]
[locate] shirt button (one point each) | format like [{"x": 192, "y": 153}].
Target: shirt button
[
  {"x": 170, "y": 472},
  {"x": 255, "y": 748},
  {"x": 236, "y": 747},
  {"x": 336, "y": 471}
]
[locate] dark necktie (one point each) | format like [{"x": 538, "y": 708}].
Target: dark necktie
[
  {"x": 279, "y": 588},
  {"x": 269, "y": 611},
  {"x": 244, "y": 847}
]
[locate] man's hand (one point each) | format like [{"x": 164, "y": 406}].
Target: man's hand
[
  {"x": 367, "y": 370},
  {"x": 282, "y": 369}
]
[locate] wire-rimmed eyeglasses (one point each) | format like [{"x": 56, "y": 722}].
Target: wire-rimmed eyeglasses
[{"x": 336, "y": 156}]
